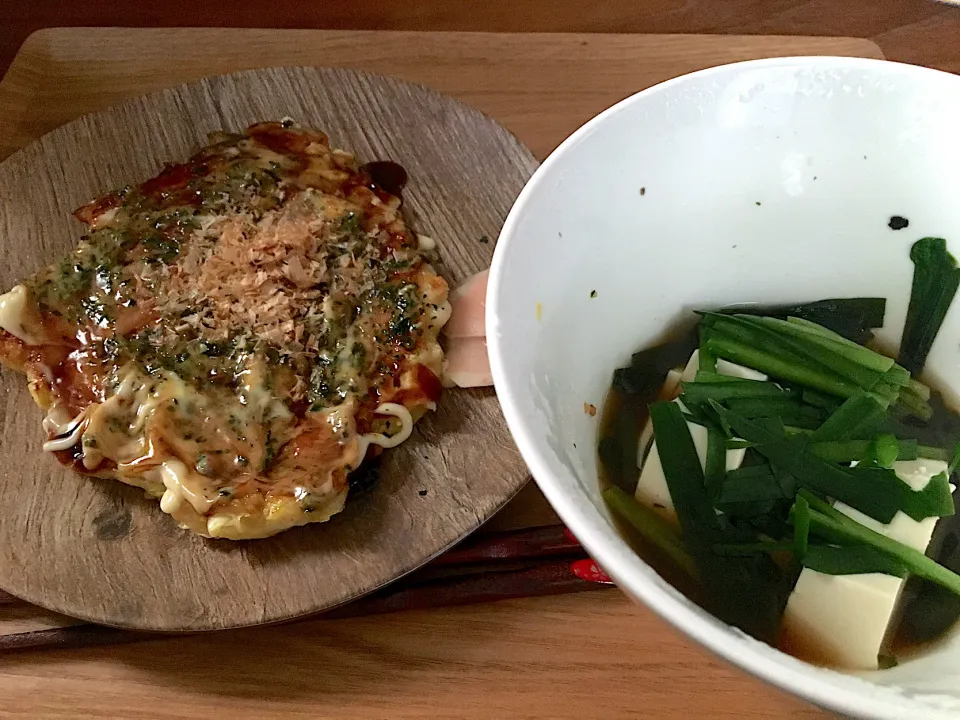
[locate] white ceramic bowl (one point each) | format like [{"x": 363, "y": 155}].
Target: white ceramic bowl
[{"x": 762, "y": 181}]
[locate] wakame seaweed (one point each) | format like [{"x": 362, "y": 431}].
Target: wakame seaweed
[
  {"x": 648, "y": 368},
  {"x": 853, "y": 318},
  {"x": 763, "y": 463}
]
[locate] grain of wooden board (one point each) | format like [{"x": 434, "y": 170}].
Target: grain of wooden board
[
  {"x": 459, "y": 467},
  {"x": 583, "y": 656},
  {"x": 540, "y": 86}
]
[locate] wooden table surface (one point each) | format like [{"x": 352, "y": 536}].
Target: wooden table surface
[
  {"x": 389, "y": 667},
  {"x": 584, "y": 656},
  {"x": 924, "y": 32}
]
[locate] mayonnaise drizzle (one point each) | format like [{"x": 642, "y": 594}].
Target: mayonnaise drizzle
[
  {"x": 13, "y": 305},
  {"x": 66, "y": 442},
  {"x": 387, "y": 441}
]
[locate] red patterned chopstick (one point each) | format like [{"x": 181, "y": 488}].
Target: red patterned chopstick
[
  {"x": 515, "y": 545},
  {"x": 523, "y": 563}
]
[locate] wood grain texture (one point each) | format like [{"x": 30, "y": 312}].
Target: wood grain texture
[
  {"x": 916, "y": 31},
  {"x": 541, "y": 87},
  {"x": 109, "y": 555},
  {"x": 589, "y": 656},
  {"x": 582, "y": 657},
  {"x": 558, "y": 566},
  {"x": 528, "y": 509}
]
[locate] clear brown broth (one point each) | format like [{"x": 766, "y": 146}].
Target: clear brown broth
[{"x": 926, "y": 611}]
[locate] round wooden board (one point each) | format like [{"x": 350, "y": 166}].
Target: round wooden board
[{"x": 101, "y": 551}]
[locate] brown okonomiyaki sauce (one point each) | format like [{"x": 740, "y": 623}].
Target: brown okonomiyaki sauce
[{"x": 387, "y": 175}]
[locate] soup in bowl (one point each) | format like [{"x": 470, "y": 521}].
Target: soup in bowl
[{"x": 757, "y": 185}]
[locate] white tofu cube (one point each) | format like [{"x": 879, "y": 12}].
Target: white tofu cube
[
  {"x": 690, "y": 370},
  {"x": 670, "y": 389},
  {"x": 841, "y": 620},
  {"x": 671, "y": 386},
  {"x": 652, "y": 488},
  {"x": 903, "y": 528}
]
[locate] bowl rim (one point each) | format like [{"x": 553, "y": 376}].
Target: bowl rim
[{"x": 841, "y": 692}]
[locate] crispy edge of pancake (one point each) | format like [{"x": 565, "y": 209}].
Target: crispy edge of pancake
[{"x": 278, "y": 513}]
